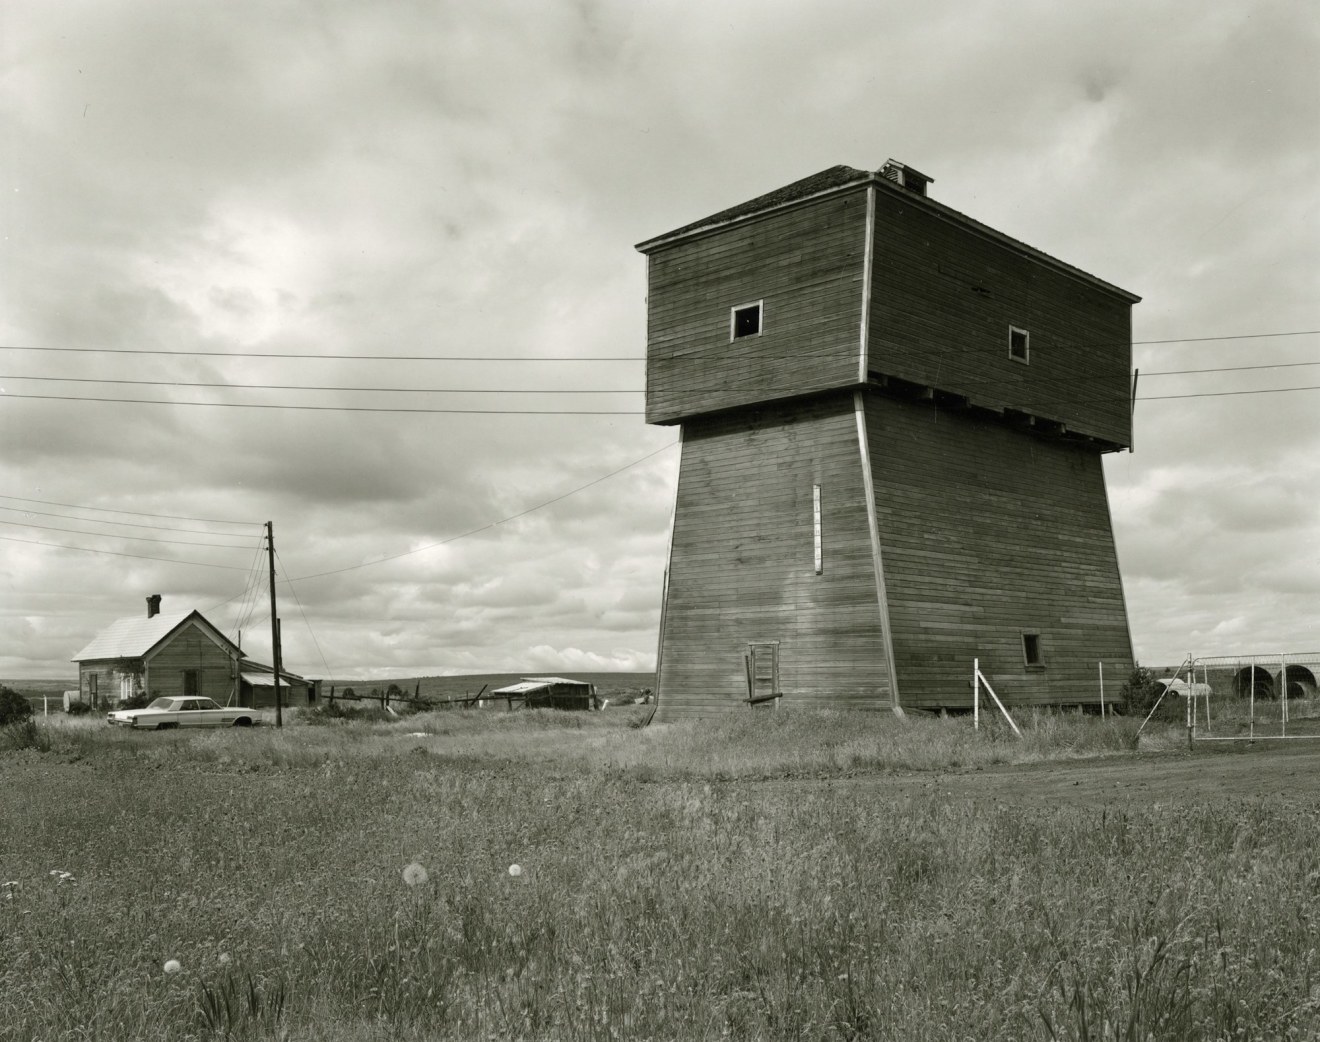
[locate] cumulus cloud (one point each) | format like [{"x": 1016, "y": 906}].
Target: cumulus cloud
[{"x": 394, "y": 181}]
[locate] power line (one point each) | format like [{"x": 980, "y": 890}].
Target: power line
[
  {"x": 317, "y": 387},
  {"x": 1223, "y": 394},
  {"x": 116, "y": 553},
  {"x": 257, "y": 581},
  {"x": 134, "y": 538},
  {"x": 131, "y": 513},
  {"x": 122, "y": 524},
  {"x": 333, "y": 408},
  {"x": 492, "y": 524},
  {"x": 1239, "y": 336},
  {"x": 303, "y": 612},
  {"x": 353, "y": 567},
  {"x": 487, "y": 390},
  {"x": 1224, "y": 369},
  {"x": 531, "y": 358},
  {"x": 405, "y": 410},
  {"x": 327, "y": 357}
]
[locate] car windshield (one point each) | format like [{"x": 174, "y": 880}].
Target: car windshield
[
  {"x": 162, "y": 703},
  {"x": 204, "y": 703}
]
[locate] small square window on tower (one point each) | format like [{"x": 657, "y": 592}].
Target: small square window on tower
[
  {"x": 745, "y": 320},
  {"x": 1019, "y": 345}
]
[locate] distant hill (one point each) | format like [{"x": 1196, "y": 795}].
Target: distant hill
[
  {"x": 36, "y": 691},
  {"x": 608, "y": 685}
]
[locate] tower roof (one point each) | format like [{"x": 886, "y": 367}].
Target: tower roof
[
  {"x": 826, "y": 181},
  {"x": 839, "y": 178}
]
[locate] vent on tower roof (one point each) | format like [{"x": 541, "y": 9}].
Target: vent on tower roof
[{"x": 912, "y": 180}]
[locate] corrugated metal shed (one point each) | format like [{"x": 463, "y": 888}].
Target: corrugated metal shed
[{"x": 549, "y": 693}]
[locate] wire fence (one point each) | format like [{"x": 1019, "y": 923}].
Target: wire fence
[{"x": 1251, "y": 697}]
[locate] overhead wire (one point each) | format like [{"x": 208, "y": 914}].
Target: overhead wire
[
  {"x": 940, "y": 358},
  {"x": 303, "y": 612},
  {"x": 116, "y": 553},
  {"x": 980, "y": 383},
  {"x": 491, "y": 524},
  {"x": 118, "y": 535},
  {"x": 107, "y": 521},
  {"x": 220, "y": 384},
  {"x": 331, "y": 408},
  {"x": 320, "y": 356},
  {"x": 327, "y": 357},
  {"x": 131, "y": 513},
  {"x": 256, "y": 582},
  {"x": 323, "y": 387},
  {"x": 367, "y": 564}
]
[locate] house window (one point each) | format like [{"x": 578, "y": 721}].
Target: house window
[
  {"x": 192, "y": 683},
  {"x": 1019, "y": 345},
  {"x": 745, "y": 320},
  {"x": 1031, "y": 651}
]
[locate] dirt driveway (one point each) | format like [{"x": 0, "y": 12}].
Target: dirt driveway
[{"x": 1288, "y": 771}]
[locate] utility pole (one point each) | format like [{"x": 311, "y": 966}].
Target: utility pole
[{"x": 274, "y": 623}]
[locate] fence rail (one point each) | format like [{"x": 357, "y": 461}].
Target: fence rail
[{"x": 1252, "y": 697}]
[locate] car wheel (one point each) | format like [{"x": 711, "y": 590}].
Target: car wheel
[{"x": 243, "y": 721}]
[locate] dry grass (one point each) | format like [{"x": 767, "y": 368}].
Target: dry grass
[
  {"x": 664, "y": 891},
  {"x": 740, "y": 746}
]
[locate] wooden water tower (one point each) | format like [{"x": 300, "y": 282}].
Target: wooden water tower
[{"x": 892, "y": 422}]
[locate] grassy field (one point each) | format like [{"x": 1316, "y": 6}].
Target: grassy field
[{"x": 459, "y": 875}]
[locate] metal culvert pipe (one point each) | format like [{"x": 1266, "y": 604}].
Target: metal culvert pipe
[
  {"x": 1301, "y": 682},
  {"x": 1254, "y": 681}
]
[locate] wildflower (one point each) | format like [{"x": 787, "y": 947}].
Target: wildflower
[
  {"x": 224, "y": 959},
  {"x": 415, "y": 874},
  {"x": 515, "y": 871},
  {"x": 173, "y": 966}
]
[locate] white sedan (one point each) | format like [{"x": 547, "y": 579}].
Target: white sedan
[{"x": 183, "y": 712}]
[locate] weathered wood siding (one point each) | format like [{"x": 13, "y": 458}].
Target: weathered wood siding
[
  {"x": 944, "y": 296},
  {"x": 260, "y": 696},
  {"x": 742, "y": 564},
  {"x": 805, "y": 263},
  {"x": 189, "y": 649},
  {"x": 101, "y": 681},
  {"x": 987, "y": 532}
]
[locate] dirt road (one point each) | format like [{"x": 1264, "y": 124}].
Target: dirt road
[{"x": 1288, "y": 771}]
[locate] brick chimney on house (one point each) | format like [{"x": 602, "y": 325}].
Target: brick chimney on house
[{"x": 153, "y": 605}]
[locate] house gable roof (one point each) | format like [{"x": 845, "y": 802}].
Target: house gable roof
[{"x": 138, "y": 637}]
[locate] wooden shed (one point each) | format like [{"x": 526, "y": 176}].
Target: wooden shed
[
  {"x": 548, "y": 693},
  {"x": 892, "y": 421},
  {"x": 257, "y": 686}
]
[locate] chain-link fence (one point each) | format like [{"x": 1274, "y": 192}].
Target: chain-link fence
[{"x": 1249, "y": 697}]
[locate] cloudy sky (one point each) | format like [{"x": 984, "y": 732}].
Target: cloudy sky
[{"x": 196, "y": 193}]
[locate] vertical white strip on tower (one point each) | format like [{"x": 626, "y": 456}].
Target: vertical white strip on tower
[
  {"x": 815, "y": 526},
  {"x": 868, "y": 261}
]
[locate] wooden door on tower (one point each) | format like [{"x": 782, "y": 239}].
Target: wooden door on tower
[{"x": 762, "y": 661}]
